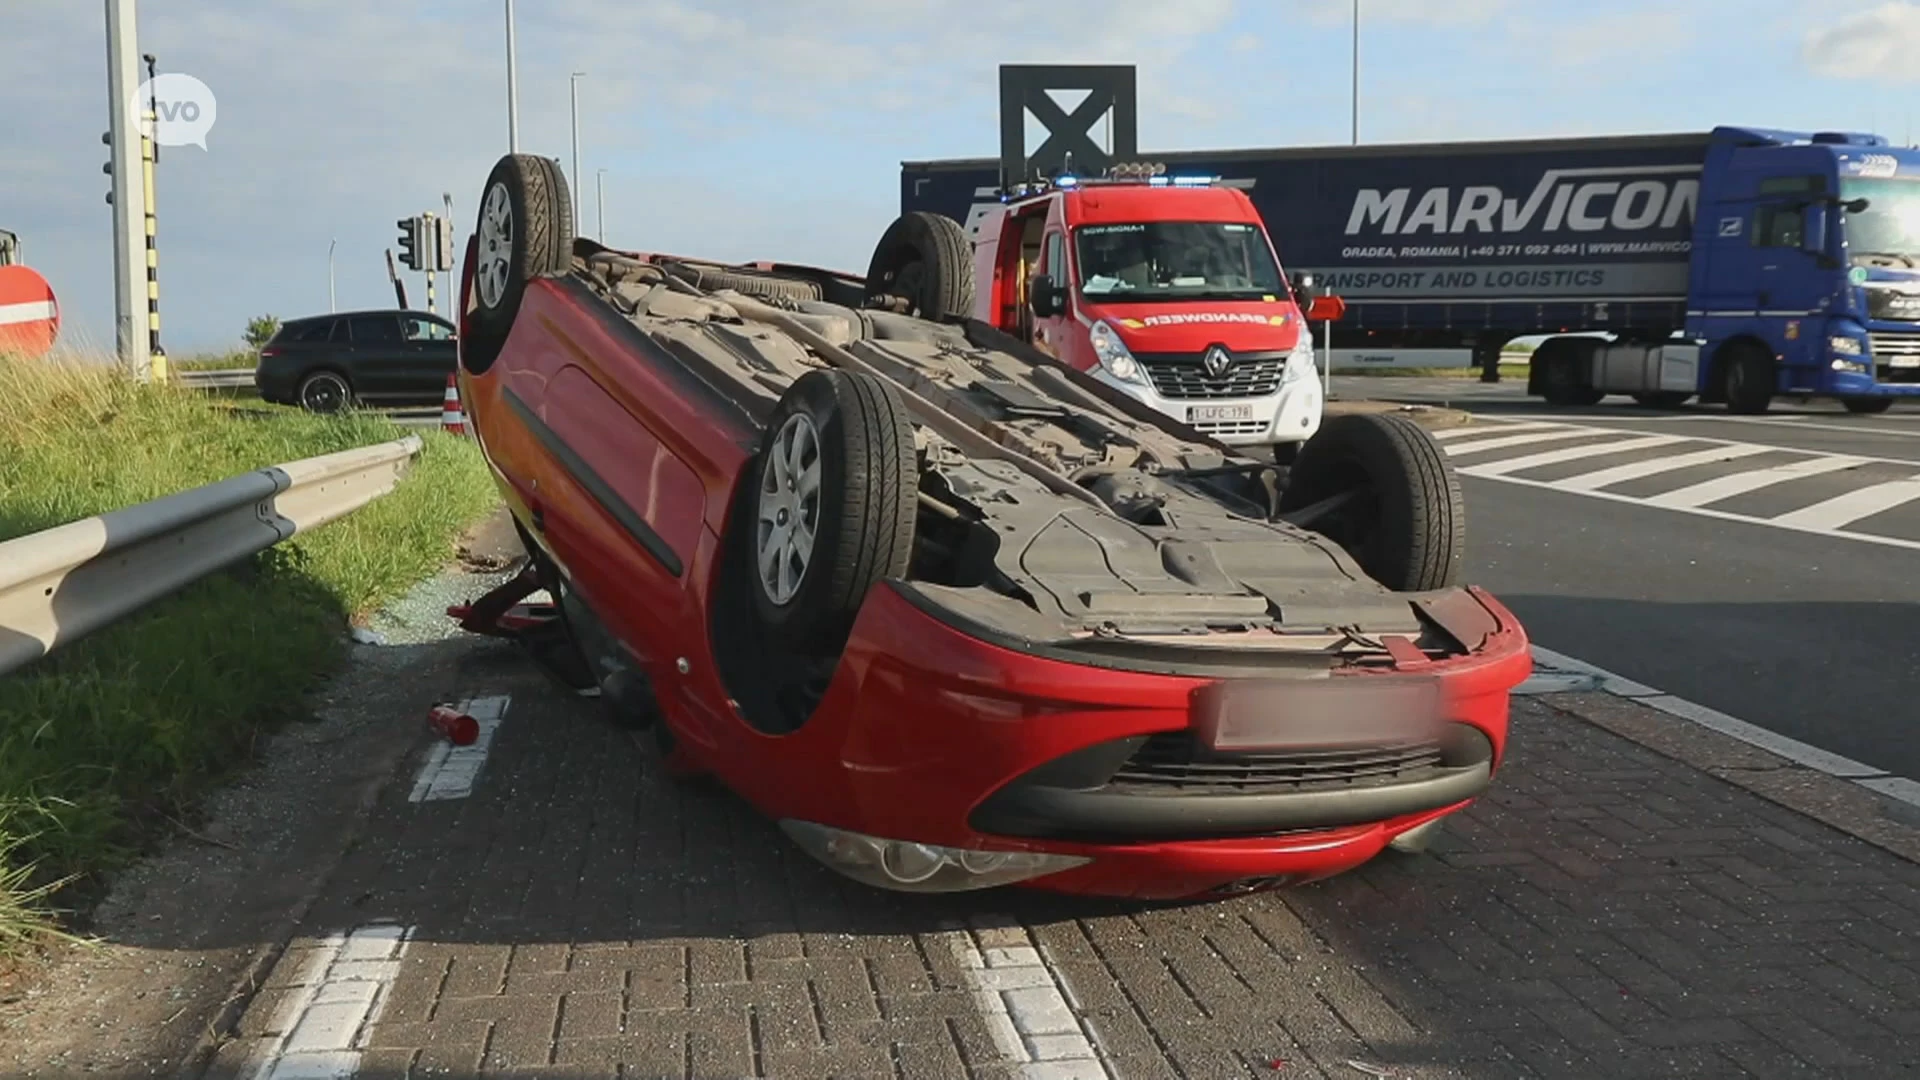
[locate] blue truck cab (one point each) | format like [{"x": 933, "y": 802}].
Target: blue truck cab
[{"x": 1804, "y": 280}]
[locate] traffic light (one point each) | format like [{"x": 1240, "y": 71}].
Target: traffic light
[
  {"x": 443, "y": 244},
  {"x": 106, "y": 139},
  {"x": 411, "y": 249}
]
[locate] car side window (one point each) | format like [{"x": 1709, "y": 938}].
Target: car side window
[
  {"x": 376, "y": 330},
  {"x": 418, "y": 329},
  {"x": 311, "y": 332},
  {"x": 339, "y": 334}
]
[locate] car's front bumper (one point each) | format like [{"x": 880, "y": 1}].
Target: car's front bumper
[
  {"x": 931, "y": 735},
  {"x": 1289, "y": 415}
]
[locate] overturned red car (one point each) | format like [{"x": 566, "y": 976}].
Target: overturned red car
[{"x": 953, "y": 614}]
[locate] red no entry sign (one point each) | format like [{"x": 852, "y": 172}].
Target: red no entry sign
[{"x": 29, "y": 315}]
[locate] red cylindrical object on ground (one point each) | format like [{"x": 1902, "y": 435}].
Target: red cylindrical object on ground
[{"x": 459, "y": 728}]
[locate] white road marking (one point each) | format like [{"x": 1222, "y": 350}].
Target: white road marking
[
  {"x": 1496, "y": 426},
  {"x": 450, "y": 771},
  {"x": 1636, "y": 470},
  {"x": 319, "y": 1031},
  {"x": 1527, "y": 439},
  {"x": 1028, "y": 1007},
  {"x": 1825, "y": 761},
  {"x": 1726, "y": 487},
  {"x": 1845, "y": 509},
  {"x": 1805, "y": 425},
  {"x": 1570, "y": 453}
]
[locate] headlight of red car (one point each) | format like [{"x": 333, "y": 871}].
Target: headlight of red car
[{"x": 908, "y": 866}]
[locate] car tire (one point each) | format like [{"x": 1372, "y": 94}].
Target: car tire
[
  {"x": 926, "y": 258},
  {"x": 838, "y": 456},
  {"x": 1746, "y": 380},
  {"x": 1408, "y": 531},
  {"x": 524, "y": 231},
  {"x": 1867, "y": 406},
  {"x": 325, "y": 391}
]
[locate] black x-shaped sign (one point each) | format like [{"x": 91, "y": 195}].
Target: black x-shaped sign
[{"x": 1063, "y": 139}]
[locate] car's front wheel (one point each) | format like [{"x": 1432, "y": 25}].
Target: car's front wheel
[
  {"x": 832, "y": 506},
  {"x": 324, "y": 392}
]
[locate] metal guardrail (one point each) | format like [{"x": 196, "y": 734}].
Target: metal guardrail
[{"x": 63, "y": 583}]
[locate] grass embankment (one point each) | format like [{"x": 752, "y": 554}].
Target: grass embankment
[{"x": 126, "y": 728}]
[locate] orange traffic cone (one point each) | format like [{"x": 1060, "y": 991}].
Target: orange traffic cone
[{"x": 452, "y": 419}]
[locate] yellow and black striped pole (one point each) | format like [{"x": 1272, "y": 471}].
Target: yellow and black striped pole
[{"x": 149, "y": 155}]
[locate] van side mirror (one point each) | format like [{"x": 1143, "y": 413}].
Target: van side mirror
[
  {"x": 1307, "y": 288},
  {"x": 1045, "y": 297}
]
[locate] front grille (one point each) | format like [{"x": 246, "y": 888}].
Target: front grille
[
  {"x": 1179, "y": 375},
  {"x": 1889, "y": 348},
  {"x": 1230, "y": 427},
  {"x": 1174, "y": 763}
]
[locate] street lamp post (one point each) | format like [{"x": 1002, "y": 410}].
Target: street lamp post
[
  {"x": 459, "y": 249},
  {"x": 513, "y": 91},
  {"x": 600, "y": 198},
  {"x": 129, "y": 196},
  {"x": 573, "y": 89},
  {"x": 333, "y": 303},
  {"x": 1356, "y": 72}
]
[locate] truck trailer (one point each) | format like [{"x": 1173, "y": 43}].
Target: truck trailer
[{"x": 1737, "y": 265}]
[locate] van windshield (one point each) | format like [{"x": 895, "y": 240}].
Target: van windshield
[{"x": 1176, "y": 260}]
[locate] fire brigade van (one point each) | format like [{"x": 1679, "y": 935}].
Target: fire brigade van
[{"x": 1165, "y": 288}]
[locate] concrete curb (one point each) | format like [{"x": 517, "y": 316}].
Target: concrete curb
[
  {"x": 1431, "y": 417},
  {"x": 1859, "y": 800}
]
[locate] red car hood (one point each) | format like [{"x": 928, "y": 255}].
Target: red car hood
[{"x": 1190, "y": 326}]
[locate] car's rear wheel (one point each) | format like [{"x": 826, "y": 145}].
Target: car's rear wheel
[
  {"x": 324, "y": 392},
  {"x": 832, "y": 508},
  {"x": 927, "y": 259},
  {"x": 1400, "y": 512},
  {"x": 524, "y": 232}
]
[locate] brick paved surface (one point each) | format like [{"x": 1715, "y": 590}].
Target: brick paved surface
[{"x": 1604, "y": 913}]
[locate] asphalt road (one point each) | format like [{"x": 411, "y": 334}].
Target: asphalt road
[{"x": 1788, "y": 597}]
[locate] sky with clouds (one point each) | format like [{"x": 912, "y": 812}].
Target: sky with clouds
[{"x": 743, "y": 129}]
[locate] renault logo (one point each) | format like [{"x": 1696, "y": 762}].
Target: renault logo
[{"x": 1216, "y": 361}]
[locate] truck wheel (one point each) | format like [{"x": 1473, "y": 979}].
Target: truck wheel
[
  {"x": 1746, "y": 380},
  {"x": 926, "y": 258},
  {"x": 524, "y": 231},
  {"x": 1867, "y": 406},
  {"x": 1661, "y": 399},
  {"x": 1561, "y": 363},
  {"x": 832, "y": 509},
  {"x": 1407, "y": 523}
]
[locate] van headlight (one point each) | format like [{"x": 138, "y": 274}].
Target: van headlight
[
  {"x": 1300, "y": 363},
  {"x": 1113, "y": 354}
]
